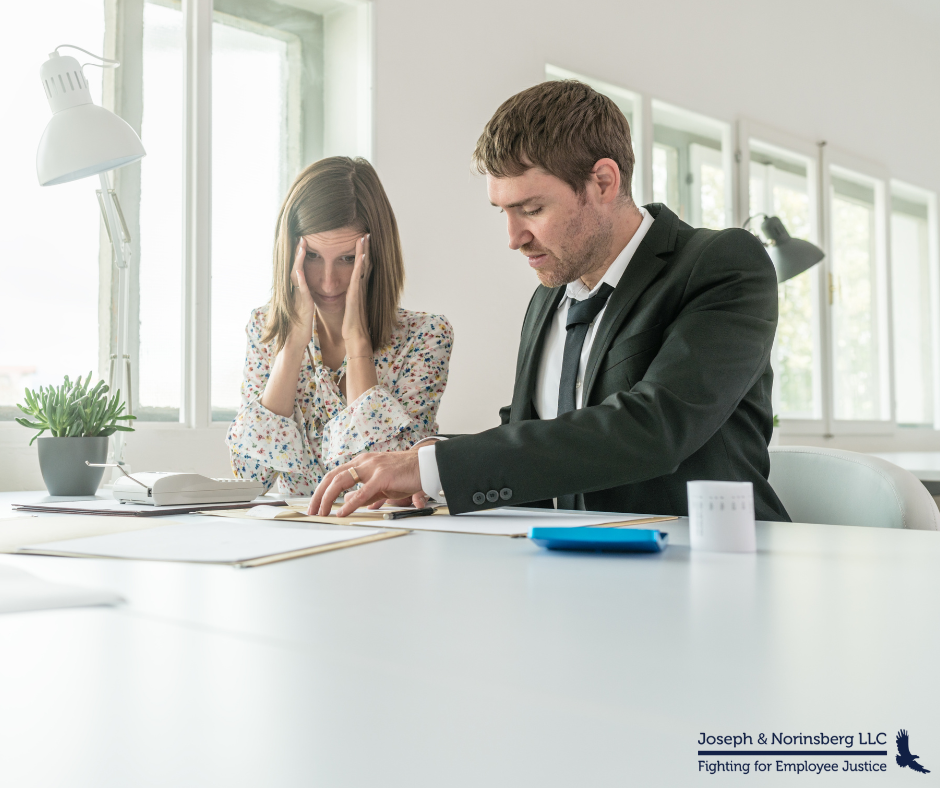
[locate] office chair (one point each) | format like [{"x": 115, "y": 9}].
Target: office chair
[{"x": 847, "y": 488}]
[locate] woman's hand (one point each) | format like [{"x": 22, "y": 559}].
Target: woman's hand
[
  {"x": 303, "y": 301},
  {"x": 356, "y": 333}
]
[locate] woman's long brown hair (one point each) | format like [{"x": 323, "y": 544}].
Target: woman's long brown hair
[{"x": 330, "y": 194}]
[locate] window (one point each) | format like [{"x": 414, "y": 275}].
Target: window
[
  {"x": 782, "y": 184},
  {"x": 692, "y": 166},
  {"x": 913, "y": 298},
  {"x": 262, "y": 61},
  {"x": 160, "y": 273},
  {"x": 50, "y": 262},
  {"x": 857, "y": 294},
  {"x": 305, "y": 74},
  {"x": 629, "y": 104}
]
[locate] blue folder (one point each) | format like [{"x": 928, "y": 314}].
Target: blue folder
[{"x": 620, "y": 540}]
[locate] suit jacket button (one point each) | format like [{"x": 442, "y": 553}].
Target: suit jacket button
[
  {"x": 505, "y": 493},
  {"x": 479, "y": 498},
  {"x": 492, "y": 496}
]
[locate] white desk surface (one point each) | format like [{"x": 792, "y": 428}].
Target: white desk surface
[{"x": 452, "y": 660}]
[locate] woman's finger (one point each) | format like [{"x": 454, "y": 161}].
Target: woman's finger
[{"x": 296, "y": 274}]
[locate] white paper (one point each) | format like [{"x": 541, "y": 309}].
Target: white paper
[
  {"x": 108, "y": 505},
  {"x": 20, "y": 591},
  {"x": 511, "y": 521},
  {"x": 227, "y": 541}
]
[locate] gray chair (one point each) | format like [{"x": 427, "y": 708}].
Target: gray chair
[{"x": 847, "y": 488}]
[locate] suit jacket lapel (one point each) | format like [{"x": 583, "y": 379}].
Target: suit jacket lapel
[
  {"x": 539, "y": 317},
  {"x": 642, "y": 269}
]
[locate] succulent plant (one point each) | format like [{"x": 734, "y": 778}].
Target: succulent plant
[{"x": 73, "y": 411}]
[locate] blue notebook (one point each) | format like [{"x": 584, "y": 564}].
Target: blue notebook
[{"x": 620, "y": 540}]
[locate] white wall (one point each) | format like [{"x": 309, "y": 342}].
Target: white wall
[{"x": 858, "y": 73}]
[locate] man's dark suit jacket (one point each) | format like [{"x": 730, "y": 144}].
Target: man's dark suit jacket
[{"x": 677, "y": 388}]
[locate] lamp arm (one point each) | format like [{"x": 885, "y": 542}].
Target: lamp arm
[
  {"x": 751, "y": 218},
  {"x": 117, "y": 231}
]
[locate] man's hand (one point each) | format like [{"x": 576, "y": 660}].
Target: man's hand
[{"x": 388, "y": 475}]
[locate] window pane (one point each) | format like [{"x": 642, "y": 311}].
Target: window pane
[
  {"x": 911, "y": 289},
  {"x": 665, "y": 174},
  {"x": 855, "y": 313},
  {"x": 779, "y": 186},
  {"x": 690, "y": 171},
  {"x": 49, "y": 282},
  {"x": 260, "y": 57},
  {"x": 161, "y": 214}
]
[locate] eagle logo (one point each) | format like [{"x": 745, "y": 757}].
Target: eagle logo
[{"x": 904, "y": 757}]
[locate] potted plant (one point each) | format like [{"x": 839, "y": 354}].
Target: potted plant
[{"x": 80, "y": 420}]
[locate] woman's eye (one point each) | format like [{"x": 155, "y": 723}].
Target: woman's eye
[
  {"x": 312, "y": 255},
  {"x": 350, "y": 258}
]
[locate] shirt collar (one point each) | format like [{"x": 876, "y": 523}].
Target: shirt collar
[{"x": 578, "y": 291}]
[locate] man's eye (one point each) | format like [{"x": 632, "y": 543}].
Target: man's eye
[{"x": 535, "y": 212}]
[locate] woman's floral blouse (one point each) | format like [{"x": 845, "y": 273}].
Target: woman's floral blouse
[{"x": 325, "y": 430}]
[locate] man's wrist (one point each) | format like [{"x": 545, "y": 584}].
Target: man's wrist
[{"x": 430, "y": 475}]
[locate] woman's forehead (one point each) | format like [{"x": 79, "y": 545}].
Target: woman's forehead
[{"x": 339, "y": 239}]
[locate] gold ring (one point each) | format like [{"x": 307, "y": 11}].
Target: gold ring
[{"x": 355, "y": 476}]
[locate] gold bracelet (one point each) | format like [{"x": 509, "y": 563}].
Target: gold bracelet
[{"x": 371, "y": 355}]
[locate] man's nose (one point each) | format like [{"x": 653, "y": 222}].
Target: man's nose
[{"x": 519, "y": 234}]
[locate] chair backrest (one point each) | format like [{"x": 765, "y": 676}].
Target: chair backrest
[{"x": 847, "y": 488}]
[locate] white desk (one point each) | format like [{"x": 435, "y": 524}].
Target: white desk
[{"x": 450, "y": 660}]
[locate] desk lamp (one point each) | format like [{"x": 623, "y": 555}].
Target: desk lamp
[
  {"x": 790, "y": 256},
  {"x": 80, "y": 140}
]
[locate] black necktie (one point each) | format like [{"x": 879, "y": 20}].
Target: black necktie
[{"x": 580, "y": 316}]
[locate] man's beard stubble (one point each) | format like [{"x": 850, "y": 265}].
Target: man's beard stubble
[{"x": 585, "y": 251}]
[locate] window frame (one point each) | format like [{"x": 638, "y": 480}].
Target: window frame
[
  {"x": 122, "y": 94},
  {"x": 747, "y": 130},
  {"x": 877, "y": 177},
  {"x": 910, "y": 191}
]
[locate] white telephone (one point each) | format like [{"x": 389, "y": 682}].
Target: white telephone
[{"x": 176, "y": 489}]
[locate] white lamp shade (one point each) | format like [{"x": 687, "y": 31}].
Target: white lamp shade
[{"x": 82, "y": 141}]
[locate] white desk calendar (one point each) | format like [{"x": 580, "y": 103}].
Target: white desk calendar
[{"x": 721, "y": 517}]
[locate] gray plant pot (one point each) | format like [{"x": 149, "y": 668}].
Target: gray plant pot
[{"x": 62, "y": 462}]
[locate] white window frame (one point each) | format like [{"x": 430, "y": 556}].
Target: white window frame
[
  {"x": 695, "y": 123},
  {"x": 791, "y": 146},
  {"x": 876, "y": 177},
  {"x": 918, "y": 194}
]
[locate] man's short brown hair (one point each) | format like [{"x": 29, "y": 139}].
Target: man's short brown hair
[{"x": 564, "y": 127}]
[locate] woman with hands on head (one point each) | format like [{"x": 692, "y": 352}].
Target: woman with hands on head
[{"x": 334, "y": 366}]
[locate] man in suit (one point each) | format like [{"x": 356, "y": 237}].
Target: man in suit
[{"x": 644, "y": 360}]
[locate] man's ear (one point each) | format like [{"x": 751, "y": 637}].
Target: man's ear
[{"x": 606, "y": 176}]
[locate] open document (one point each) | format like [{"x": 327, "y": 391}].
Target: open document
[
  {"x": 233, "y": 542},
  {"x": 515, "y": 521}
]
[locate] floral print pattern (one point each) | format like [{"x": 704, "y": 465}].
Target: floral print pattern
[{"x": 326, "y": 431}]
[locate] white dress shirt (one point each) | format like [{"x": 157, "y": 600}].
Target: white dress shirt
[{"x": 548, "y": 378}]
